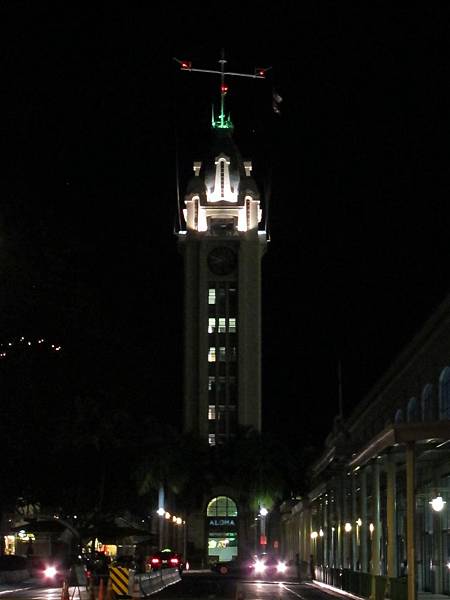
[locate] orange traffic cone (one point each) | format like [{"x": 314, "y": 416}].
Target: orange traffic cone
[
  {"x": 65, "y": 591},
  {"x": 92, "y": 590},
  {"x": 108, "y": 595},
  {"x": 101, "y": 589}
]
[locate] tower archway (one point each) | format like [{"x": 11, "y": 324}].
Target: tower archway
[{"x": 222, "y": 529}]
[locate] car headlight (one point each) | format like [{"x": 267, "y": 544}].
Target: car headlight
[
  {"x": 50, "y": 571},
  {"x": 259, "y": 566},
  {"x": 281, "y": 567}
]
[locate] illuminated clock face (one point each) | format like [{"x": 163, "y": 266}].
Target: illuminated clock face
[{"x": 222, "y": 260}]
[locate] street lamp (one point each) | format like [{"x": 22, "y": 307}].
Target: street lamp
[
  {"x": 437, "y": 504},
  {"x": 263, "y": 512}
]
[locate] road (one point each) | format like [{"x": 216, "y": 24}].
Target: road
[
  {"x": 196, "y": 586},
  {"x": 31, "y": 591},
  {"x": 193, "y": 586}
]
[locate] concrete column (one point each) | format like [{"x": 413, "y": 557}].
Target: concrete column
[
  {"x": 410, "y": 513},
  {"x": 326, "y": 500},
  {"x": 363, "y": 532},
  {"x": 353, "y": 521},
  {"x": 346, "y": 536},
  {"x": 391, "y": 520},
  {"x": 339, "y": 528},
  {"x": 376, "y": 534}
]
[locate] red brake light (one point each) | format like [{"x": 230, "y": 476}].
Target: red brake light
[
  {"x": 174, "y": 561},
  {"x": 155, "y": 561}
]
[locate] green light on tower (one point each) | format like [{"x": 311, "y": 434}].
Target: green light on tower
[{"x": 222, "y": 121}]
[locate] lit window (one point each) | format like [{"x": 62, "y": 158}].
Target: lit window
[
  {"x": 212, "y": 439},
  {"x": 212, "y": 325},
  {"x": 212, "y": 412},
  {"x": 222, "y": 353},
  {"x": 232, "y": 325},
  {"x": 222, "y": 325},
  {"x": 212, "y": 296},
  {"x": 211, "y": 382},
  {"x": 212, "y": 355},
  {"x": 222, "y": 506}
]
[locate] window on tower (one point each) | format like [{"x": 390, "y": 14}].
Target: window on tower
[
  {"x": 232, "y": 295},
  {"x": 221, "y": 226},
  {"x": 222, "y": 325},
  {"x": 212, "y": 439},
  {"x": 232, "y": 325},
  {"x": 221, "y": 300},
  {"x": 211, "y": 325},
  {"x": 212, "y": 412},
  {"x": 212, "y": 354},
  {"x": 212, "y": 296}
]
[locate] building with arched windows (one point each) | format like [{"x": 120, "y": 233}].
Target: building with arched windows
[{"x": 376, "y": 520}]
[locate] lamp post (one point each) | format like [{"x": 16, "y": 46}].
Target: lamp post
[
  {"x": 161, "y": 513},
  {"x": 263, "y": 512},
  {"x": 438, "y": 504}
]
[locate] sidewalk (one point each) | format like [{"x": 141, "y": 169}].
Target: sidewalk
[{"x": 342, "y": 593}]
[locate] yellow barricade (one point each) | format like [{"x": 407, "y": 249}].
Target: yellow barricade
[{"x": 120, "y": 578}]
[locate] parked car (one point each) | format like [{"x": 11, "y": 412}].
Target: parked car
[{"x": 166, "y": 559}]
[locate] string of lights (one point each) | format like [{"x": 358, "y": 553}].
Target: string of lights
[{"x": 11, "y": 345}]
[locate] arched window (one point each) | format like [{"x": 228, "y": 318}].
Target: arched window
[
  {"x": 412, "y": 413},
  {"x": 444, "y": 394},
  {"x": 222, "y": 528},
  {"x": 222, "y": 506},
  {"x": 398, "y": 417},
  {"x": 428, "y": 413}
]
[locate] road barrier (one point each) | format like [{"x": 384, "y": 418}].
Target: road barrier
[{"x": 145, "y": 584}]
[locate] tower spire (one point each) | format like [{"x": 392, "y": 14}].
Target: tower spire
[{"x": 223, "y": 121}]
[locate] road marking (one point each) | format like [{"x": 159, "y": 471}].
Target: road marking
[{"x": 292, "y": 591}]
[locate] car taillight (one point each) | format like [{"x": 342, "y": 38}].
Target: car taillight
[
  {"x": 174, "y": 561},
  {"x": 155, "y": 561}
]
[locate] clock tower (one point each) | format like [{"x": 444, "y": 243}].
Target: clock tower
[{"x": 222, "y": 243}]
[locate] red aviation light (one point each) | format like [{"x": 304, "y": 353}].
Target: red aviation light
[
  {"x": 260, "y": 72},
  {"x": 223, "y": 88},
  {"x": 185, "y": 65}
]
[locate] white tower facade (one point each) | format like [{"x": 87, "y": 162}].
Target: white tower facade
[{"x": 222, "y": 245}]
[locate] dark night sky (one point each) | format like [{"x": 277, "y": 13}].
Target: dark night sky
[{"x": 95, "y": 115}]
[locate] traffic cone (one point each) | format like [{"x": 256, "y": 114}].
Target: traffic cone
[
  {"x": 108, "y": 595},
  {"x": 101, "y": 589},
  {"x": 92, "y": 590},
  {"x": 65, "y": 591}
]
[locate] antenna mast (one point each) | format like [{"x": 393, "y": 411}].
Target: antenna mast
[{"x": 223, "y": 122}]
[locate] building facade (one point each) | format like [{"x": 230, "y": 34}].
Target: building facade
[
  {"x": 222, "y": 245},
  {"x": 376, "y": 520}
]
